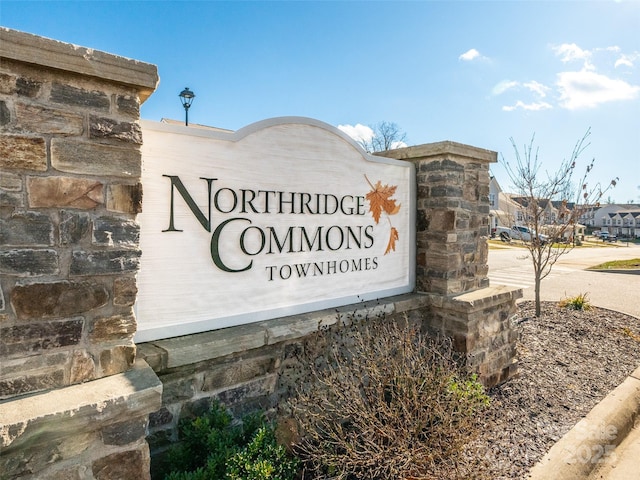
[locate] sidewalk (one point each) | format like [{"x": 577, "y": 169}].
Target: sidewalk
[
  {"x": 624, "y": 462},
  {"x": 604, "y": 445}
]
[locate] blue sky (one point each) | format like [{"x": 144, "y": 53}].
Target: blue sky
[{"x": 472, "y": 72}]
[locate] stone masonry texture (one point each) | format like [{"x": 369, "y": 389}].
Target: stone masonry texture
[
  {"x": 69, "y": 252},
  {"x": 64, "y": 144},
  {"x": 452, "y": 254}
]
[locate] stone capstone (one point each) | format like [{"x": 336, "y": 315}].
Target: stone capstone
[{"x": 60, "y": 425}]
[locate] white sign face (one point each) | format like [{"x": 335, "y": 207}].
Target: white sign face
[{"x": 282, "y": 217}]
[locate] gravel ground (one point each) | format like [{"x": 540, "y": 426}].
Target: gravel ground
[{"x": 568, "y": 361}]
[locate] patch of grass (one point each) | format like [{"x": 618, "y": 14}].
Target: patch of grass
[
  {"x": 579, "y": 302},
  {"x": 631, "y": 264}
]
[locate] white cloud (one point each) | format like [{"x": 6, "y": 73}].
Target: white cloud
[
  {"x": 537, "y": 88},
  {"x": 360, "y": 133},
  {"x": 503, "y": 86},
  {"x": 536, "y": 106},
  {"x": 587, "y": 89},
  {"x": 624, "y": 60},
  {"x": 395, "y": 145},
  {"x": 570, "y": 51},
  {"x": 627, "y": 60},
  {"x": 470, "y": 55}
]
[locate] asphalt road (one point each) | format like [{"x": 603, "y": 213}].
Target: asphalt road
[{"x": 569, "y": 277}]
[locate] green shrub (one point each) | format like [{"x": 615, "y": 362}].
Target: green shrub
[
  {"x": 579, "y": 302},
  {"x": 213, "y": 447},
  {"x": 469, "y": 392},
  {"x": 261, "y": 459}
]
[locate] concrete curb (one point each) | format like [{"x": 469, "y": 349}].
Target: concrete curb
[
  {"x": 591, "y": 441},
  {"x": 627, "y": 271}
]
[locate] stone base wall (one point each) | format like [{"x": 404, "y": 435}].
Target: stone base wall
[
  {"x": 93, "y": 431},
  {"x": 253, "y": 367},
  {"x": 480, "y": 324},
  {"x": 246, "y": 368}
]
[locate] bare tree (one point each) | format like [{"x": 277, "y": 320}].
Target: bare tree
[
  {"x": 386, "y": 136},
  {"x": 552, "y": 201}
]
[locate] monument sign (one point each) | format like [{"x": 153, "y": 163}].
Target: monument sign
[{"x": 282, "y": 217}]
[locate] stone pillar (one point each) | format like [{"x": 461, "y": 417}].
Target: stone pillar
[
  {"x": 70, "y": 190},
  {"x": 452, "y": 253}
]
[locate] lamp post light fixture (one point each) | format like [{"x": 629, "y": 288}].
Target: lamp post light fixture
[{"x": 186, "y": 97}]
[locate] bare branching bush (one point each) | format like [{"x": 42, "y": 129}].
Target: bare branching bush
[
  {"x": 388, "y": 403},
  {"x": 537, "y": 191}
]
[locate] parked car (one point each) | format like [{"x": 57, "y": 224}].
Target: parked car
[
  {"x": 518, "y": 232},
  {"x": 608, "y": 237},
  {"x": 596, "y": 233}
]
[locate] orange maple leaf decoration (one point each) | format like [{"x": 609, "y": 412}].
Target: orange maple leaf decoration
[
  {"x": 392, "y": 241},
  {"x": 380, "y": 201}
]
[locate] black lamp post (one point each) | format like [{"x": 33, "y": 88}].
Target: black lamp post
[{"x": 186, "y": 97}]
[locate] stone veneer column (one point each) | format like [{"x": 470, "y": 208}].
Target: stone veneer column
[
  {"x": 452, "y": 252},
  {"x": 69, "y": 194},
  {"x": 452, "y": 217}
]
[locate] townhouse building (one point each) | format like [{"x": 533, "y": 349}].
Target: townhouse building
[{"x": 622, "y": 220}]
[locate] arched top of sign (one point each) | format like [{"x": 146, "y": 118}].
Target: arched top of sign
[
  {"x": 284, "y": 216},
  {"x": 264, "y": 124},
  {"x": 252, "y": 128}
]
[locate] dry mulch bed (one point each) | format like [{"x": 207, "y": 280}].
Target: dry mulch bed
[{"x": 568, "y": 361}]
